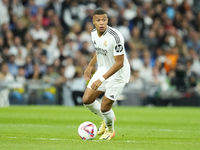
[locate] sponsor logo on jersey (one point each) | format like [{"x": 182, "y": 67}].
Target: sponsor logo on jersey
[
  {"x": 118, "y": 48},
  {"x": 105, "y": 43},
  {"x": 101, "y": 51}
]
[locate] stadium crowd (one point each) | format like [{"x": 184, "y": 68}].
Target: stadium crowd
[{"x": 50, "y": 40}]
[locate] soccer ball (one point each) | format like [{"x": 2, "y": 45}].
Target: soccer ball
[{"x": 87, "y": 131}]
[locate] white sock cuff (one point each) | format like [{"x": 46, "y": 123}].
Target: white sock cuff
[
  {"x": 107, "y": 112},
  {"x": 90, "y": 104}
]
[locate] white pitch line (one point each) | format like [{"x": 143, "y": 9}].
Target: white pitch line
[
  {"x": 135, "y": 142},
  {"x": 33, "y": 125}
]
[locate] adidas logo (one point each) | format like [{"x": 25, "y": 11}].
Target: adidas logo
[{"x": 112, "y": 96}]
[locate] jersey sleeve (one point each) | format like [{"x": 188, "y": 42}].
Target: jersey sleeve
[{"x": 118, "y": 45}]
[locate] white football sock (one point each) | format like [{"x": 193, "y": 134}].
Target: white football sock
[
  {"x": 95, "y": 107},
  {"x": 109, "y": 119}
]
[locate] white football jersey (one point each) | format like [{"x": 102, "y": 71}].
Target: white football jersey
[{"x": 110, "y": 44}]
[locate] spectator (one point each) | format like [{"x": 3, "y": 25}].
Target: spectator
[
  {"x": 135, "y": 61},
  {"x": 17, "y": 7},
  {"x": 4, "y": 12},
  {"x": 69, "y": 68},
  {"x": 73, "y": 14},
  {"x": 145, "y": 71},
  {"x": 18, "y": 45},
  {"x": 136, "y": 82},
  {"x": 38, "y": 32},
  {"x": 21, "y": 75},
  {"x": 78, "y": 86},
  {"x": 5, "y": 74},
  {"x": 36, "y": 72},
  {"x": 171, "y": 59},
  {"x": 50, "y": 76},
  {"x": 28, "y": 66},
  {"x": 12, "y": 67}
]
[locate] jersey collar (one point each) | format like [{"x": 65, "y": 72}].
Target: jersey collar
[{"x": 106, "y": 31}]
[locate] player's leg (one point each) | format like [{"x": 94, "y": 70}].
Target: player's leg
[
  {"x": 113, "y": 90},
  {"x": 89, "y": 101},
  {"x": 109, "y": 116}
]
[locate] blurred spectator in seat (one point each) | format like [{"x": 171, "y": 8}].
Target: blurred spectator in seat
[
  {"x": 56, "y": 6},
  {"x": 151, "y": 41},
  {"x": 28, "y": 66},
  {"x": 50, "y": 76},
  {"x": 4, "y": 4},
  {"x": 190, "y": 74},
  {"x": 160, "y": 79},
  {"x": 1, "y": 43},
  {"x": 85, "y": 48},
  {"x": 12, "y": 67},
  {"x": 182, "y": 47},
  {"x": 89, "y": 12},
  {"x": 194, "y": 40},
  {"x": 5, "y": 54},
  {"x": 58, "y": 27},
  {"x": 86, "y": 36},
  {"x": 71, "y": 47},
  {"x": 38, "y": 32},
  {"x": 28, "y": 39},
  {"x": 33, "y": 8},
  {"x": 51, "y": 49},
  {"x": 171, "y": 59},
  {"x": 196, "y": 62},
  {"x": 135, "y": 61},
  {"x": 177, "y": 20},
  {"x": 196, "y": 22},
  {"x": 19, "y": 30},
  {"x": 78, "y": 86},
  {"x": 36, "y": 72},
  {"x": 21, "y": 75},
  {"x": 43, "y": 64},
  {"x": 73, "y": 14},
  {"x": 5, "y": 74},
  {"x": 135, "y": 82},
  {"x": 62, "y": 79},
  {"x": 26, "y": 19},
  {"x": 145, "y": 71},
  {"x": 124, "y": 30},
  {"x": 70, "y": 69},
  {"x": 18, "y": 45},
  {"x": 138, "y": 21},
  {"x": 17, "y": 7},
  {"x": 8, "y": 38},
  {"x": 130, "y": 11},
  {"x": 136, "y": 42},
  {"x": 20, "y": 60}
]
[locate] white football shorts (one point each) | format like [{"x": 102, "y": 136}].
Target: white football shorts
[{"x": 112, "y": 88}]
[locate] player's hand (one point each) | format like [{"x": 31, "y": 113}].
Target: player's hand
[
  {"x": 96, "y": 84},
  {"x": 87, "y": 73}
]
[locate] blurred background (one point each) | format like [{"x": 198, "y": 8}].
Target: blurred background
[{"x": 45, "y": 47}]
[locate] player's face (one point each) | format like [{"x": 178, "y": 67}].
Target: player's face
[{"x": 100, "y": 22}]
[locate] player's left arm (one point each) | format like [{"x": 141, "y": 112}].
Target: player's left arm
[{"x": 119, "y": 63}]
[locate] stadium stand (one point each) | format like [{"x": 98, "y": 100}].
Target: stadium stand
[{"x": 44, "y": 43}]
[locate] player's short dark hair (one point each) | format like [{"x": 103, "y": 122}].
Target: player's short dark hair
[{"x": 99, "y": 11}]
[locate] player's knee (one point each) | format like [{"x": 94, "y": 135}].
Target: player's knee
[{"x": 85, "y": 99}]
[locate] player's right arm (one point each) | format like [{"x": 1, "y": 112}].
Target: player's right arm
[{"x": 87, "y": 73}]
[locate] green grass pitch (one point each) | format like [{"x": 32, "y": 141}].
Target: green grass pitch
[{"x": 137, "y": 128}]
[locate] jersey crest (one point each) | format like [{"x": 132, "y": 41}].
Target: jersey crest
[{"x": 105, "y": 43}]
